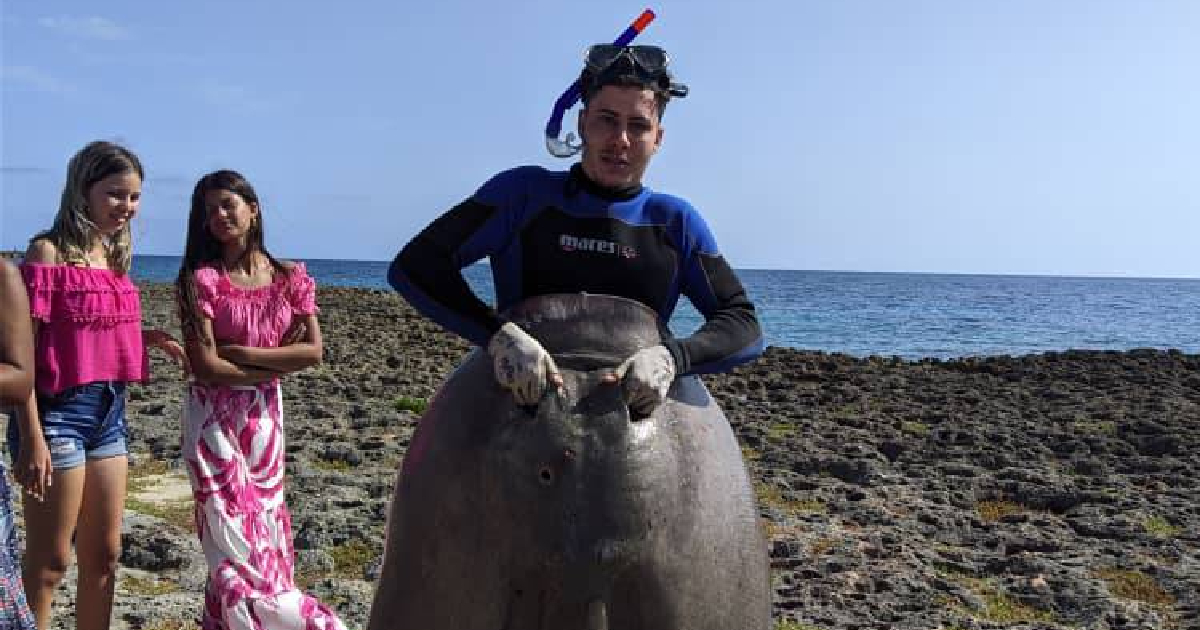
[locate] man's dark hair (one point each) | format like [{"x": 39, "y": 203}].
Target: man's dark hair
[{"x": 625, "y": 76}]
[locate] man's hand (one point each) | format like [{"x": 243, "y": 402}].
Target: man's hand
[
  {"x": 646, "y": 377},
  {"x": 521, "y": 364}
]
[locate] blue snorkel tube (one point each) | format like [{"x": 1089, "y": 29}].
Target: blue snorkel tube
[{"x": 568, "y": 146}]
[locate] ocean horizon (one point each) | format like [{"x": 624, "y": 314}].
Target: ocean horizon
[{"x": 906, "y": 314}]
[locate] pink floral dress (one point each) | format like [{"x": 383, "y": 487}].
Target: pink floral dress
[{"x": 234, "y": 448}]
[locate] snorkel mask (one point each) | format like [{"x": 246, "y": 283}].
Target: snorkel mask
[{"x": 648, "y": 63}]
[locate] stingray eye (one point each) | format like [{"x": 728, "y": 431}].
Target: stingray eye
[{"x": 546, "y": 475}]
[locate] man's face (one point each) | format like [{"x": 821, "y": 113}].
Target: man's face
[{"x": 621, "y": 132}]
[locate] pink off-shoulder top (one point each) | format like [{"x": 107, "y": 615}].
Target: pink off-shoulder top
[
  {"x": 91, "y": 326},
  {"x": 256, "y": 317}
]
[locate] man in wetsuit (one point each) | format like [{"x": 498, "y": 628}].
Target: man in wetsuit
[{"x": 594, "y": 229}]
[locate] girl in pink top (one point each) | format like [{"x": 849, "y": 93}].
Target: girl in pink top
[
  {"x": 247, "y": 320},
  {"x": 68, "y": 440}
]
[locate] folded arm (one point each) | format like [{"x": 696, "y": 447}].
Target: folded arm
[
  {"x": 209, "y": 367},
  {"x": 291, "y": 356}
]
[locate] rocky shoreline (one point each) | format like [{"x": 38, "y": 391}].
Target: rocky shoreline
[{"x": 1047, "y": 491}]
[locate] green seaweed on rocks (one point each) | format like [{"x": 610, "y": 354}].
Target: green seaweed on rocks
[
  {"x": 781, "y": 431},
  {"x": 1000, "y": 607},
  {"x": 178, "y": 514},
  {"x": 1160, "y": 527},
  {"x": 411, "y": 404},
  {"x": 350, "y": 559},
  {"x": 851, "y": 411}
]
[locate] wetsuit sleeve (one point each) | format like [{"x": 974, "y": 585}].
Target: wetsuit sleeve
[
  {"x": 428, "y": 271},
  {"x": 731, "y": 334}
]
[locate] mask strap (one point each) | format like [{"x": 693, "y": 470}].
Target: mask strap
[{"x": 568, "y": 146}]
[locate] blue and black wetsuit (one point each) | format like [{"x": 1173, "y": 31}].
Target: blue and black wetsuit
[{"x": 559, "y": 232}]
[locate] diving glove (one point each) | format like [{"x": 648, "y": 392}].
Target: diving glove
[
  {"x": 646, "y": 377},
  {"x": 521, "y": 364}
]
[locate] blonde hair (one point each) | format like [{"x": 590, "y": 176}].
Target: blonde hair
[{"x": 72, "y": 231}]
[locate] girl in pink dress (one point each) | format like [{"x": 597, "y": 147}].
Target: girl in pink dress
[
  {"x": 247, "y": 319},
  {"x": 68, "y": 438}
]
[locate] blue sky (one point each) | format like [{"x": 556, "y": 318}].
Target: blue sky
[{"x": 1022, "y": 136}]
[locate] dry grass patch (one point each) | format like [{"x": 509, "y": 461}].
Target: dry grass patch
[
  {"x": 821, "y": 545},
  {"x": 331, "y": 465},
  {"x": 998, "y": 606},
  {"x": 154, "y": 490},
  {"x": 350, "y": 559},
  {"x": 179, "y": 514},
  {"x": 171, "y": 624},
  {"x": 145, "y": 467},
  {"x": 146, "y": 587},
  {"x": 1096, "y": 427},
  {"x": 770, "y": 495},
  {"x": 792, "y": 624},
  {"x": 993, "y": 511},
  {"x": 145, "y": 473},
  {"x": 778, "y": 531},
  {"x": 1136, "y": 586}
]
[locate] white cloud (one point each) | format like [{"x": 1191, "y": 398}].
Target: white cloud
[
  {"x": 37, "y": 79},
  {"x": 93, "y": 27}
]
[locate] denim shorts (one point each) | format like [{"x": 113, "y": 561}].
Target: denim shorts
[{"x": 80, "y": 423}]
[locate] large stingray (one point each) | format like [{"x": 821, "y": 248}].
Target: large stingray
[{"x": 573, "y": 515}]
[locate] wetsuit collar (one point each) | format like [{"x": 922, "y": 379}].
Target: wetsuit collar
[{"x": 579, "y": 181}]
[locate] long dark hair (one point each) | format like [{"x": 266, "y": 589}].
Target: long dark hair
[{"x": 203, "y": 249}]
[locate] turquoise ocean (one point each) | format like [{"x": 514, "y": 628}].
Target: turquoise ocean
[{"x": 911, "y": 315}]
